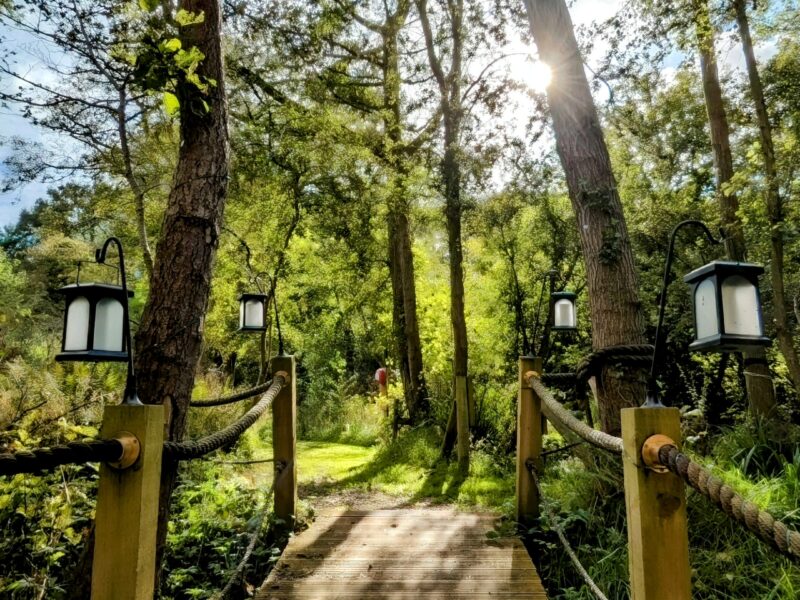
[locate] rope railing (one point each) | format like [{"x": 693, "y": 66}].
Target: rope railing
[
  {"x": 555, "y": 411},
  {"x": 238, "y": 572},
  {"x": 587, "y": 579},
  {"x": 231, "y": 398},
  {"x": 196, "y": 448},
  {"x": 46, "y": 459},
  {"x": 759, "y": 522}
]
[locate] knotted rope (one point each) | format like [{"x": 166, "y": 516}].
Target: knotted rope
[
  {"x": 591, "y": 365},
  {"x": 197, "y": 448},
  {"x": 45, "y": 459},
  {"x": 231, "y": 398},
  {"x": 553, "y": 410},
  {"x": 760, "y": 522}
]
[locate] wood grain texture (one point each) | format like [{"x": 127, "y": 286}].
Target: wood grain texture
[
  {"x": 403, "y": 554},
  {"x": 529, "y": 442}
]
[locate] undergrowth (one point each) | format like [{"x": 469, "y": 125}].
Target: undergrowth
[{"x": 727, "y": 561}]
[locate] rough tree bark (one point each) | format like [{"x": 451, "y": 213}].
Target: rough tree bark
[
  {"x": 615, "y": 309},
  {"x": 450, "y": 102},
  {"x": 169, "y": 340},
  {"x": 760, "y": 392},
  {"x": 773, "y": 198},
  {"x": 401, "y": 258}
]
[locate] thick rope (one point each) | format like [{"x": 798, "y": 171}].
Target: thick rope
[
  {"x": 45, "y": 459},
  {"x": 553, "y": 410},
  {"x": 763, "y": 524},
  {"x": 231, "y": 398},
  {"x": 629, "y": 354},
  {"x": 562, "y": 536},
  {"x": 238, "y": 572},
  {"x": 197, "y": 448},
  {"x": 560, "y": 378}
]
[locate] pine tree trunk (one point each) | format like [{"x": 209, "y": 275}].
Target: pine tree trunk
[
  {"x": 169, "y": 341},
  {"x": 615, "y": 309},
  {"x": 774, "y": 200},
  {"x": 760, "y": 392}
]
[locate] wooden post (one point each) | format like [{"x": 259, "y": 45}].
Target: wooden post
[
  {"x": 462, "y": 423},
  {"x": 284, "y": 442},
  {"x": 529, "y": 442},
  {"x": 126, "y": 517},
  {"x": 658, "y": 541}
]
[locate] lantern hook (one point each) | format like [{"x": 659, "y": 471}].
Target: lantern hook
[
  {"x": 131, "y": 397},
  {"x": 652, "y": 399}
]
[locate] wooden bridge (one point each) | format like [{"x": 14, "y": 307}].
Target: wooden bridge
[{"x": 403, "y": 554}]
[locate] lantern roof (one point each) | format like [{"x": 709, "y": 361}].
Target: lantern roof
[
  {"x": 563, "y": 295},
  {"x": 89, "y": 286},
  {"x": 724, "y": 267},
  {"x": 248, "y": 296}
]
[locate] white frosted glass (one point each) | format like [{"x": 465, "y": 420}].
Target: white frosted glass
[
  {"x": 76, "y": 335},
  {"x": 705, "y": 309},
  {"x": 241, "y": 314},
  {"x": 740, "y": 306},
  {"x": 108, "y": 324},
  {"x": 253, "y": 313},
  {"x": 564, "y": 312}
]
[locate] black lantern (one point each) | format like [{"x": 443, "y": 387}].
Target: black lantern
[
  {"x": 563, "y": 311},
  {"x": 252, "y": 309},
  {"x": 727, "y": 307},
  {"x": 97, "y": 324},
  {"x": 94, "y": 323}
]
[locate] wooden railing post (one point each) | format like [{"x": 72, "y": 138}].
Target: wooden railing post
[
  {"x": 126, "y": 516},
  {"x": 284, "y": 441},
  {"x": 658, "y": 543},
  {"x": 462, "y": 423},
  {"x": 529, "y": 442}
]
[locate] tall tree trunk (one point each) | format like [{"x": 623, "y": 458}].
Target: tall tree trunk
[
  {"x": 169, "y": 340},
  {"x": 616, "y": 311},
  {"x": 401, "y": 257},
  {"x": 760, "y": 392},
  {"x": 449, "y": 85},
  {"x": 773, "y": 198}
]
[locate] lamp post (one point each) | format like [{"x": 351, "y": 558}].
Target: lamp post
[
  {"x": 97, "y": 322},
  {"x": 725, "y": 303}
]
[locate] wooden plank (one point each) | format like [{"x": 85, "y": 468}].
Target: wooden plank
[
  {"x": 400, "y": 555},
  {"x": 658, "y": 545}
]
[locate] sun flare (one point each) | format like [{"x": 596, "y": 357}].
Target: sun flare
[{"x": 534, "y": 74}]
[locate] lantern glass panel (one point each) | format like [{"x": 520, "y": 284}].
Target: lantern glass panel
[
  {"x": 564, "y": 313},
  {"x": 108, "y": 325},
  {"x": 252, "y": 313},
  {"x": 740, "y": 307},
  {"x": 76, "y": 335},
  {"x": 705, "y": 309}
]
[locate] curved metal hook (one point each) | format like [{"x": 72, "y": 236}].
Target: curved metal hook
[
  {"x": 130, "y": 397},
  {"x": 652, "y": 395}
]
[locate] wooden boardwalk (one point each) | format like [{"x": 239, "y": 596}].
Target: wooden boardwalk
[{"x": 402, "y": 554}]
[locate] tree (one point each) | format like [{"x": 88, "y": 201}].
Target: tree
[
  {"x": 614, "y": 304},
  {"x": 170, "y": 337},
  {"x": 760, "y": 392},
  {"x": 773, "y": 199},
  {"x": 99, "y": 107}
]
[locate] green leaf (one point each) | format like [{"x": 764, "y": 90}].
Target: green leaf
[
  {"x": 148, "y": 5},
  {"x": 171, "y": 104},
  {"x": 170, "y": 45},
  {"x": 184, "y": 17}
]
